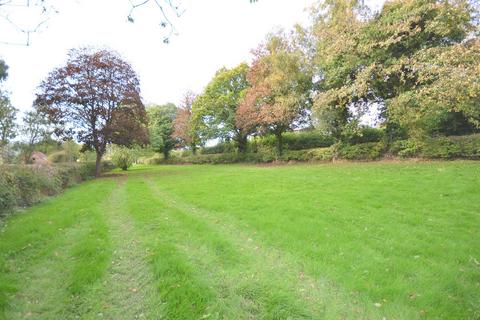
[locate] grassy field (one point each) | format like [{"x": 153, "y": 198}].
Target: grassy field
[{"x": 345, "y": 241}]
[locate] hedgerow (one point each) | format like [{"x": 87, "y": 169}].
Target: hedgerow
[
  {"x": 452, "y": 147},
  {"x": 25, "y": 185}
]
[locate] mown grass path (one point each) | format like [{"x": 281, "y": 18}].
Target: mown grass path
[{"x": 350, "y": 241}]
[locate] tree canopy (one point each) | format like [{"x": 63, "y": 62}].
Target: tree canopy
[
  {"x": 280, "y": 89},
  {"x": 185, "y": 132},
  {"x": 400, "y": 59},
  {"x": 95, "y": 97},
  {"x": 215, "y": 109},
  {"x": 3, "y": 70},
  {"x": 8, "y": 115},
  {"x": 160, "y": 125}
]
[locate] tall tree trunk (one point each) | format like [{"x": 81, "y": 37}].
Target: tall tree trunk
[
  {"x": 242, "y": 144},
  {"x": 165, "y": 154},
  {"x": 28, "y": 154},
  {"x": 98, "y": 164},
  {"x": 279, "y": 137}
]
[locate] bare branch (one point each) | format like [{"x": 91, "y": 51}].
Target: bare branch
[
  {"x": 43, "y": 17},
  {"x": 165, "y": 21}
]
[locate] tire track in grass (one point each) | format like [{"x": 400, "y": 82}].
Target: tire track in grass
[
  {"x": 182, "y": 293},
  {"x": 126, "y": 291},
  {"x": 270, "y": 266},
  {"x": 42, "y": 292},
  {"x": 90, "y": 256},
  {"x": 35, "y": 259},
  {"x": 243, "y": 290}
]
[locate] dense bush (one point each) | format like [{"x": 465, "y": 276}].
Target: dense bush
[
  {"x": 7, "y": 193},
  {"x": 467, "y": 147},
  {"x": 406, "y": 148},
  {"x": 122, "y": 158},
  {"x": 367, "y": 134},
  {"x": 362, "y": 151},
  {"x": 221, "y": 158},
  {"x": 222, "y": 147},
  {"x": 28, "y": 185},
  {"x": 25, "y": 185},
  {"x": 318, "y": 154},
  {"x": 300, "y": 140},
  {"x": 59, "y": 157},
  {"x": 87, "y": 169},
  {"x": 452, "y": 147}
]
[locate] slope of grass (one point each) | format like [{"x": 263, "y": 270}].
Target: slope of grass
[{"x": 353, "y": 241}]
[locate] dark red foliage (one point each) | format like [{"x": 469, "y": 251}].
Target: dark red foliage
[{"x": 95, "y": 98}]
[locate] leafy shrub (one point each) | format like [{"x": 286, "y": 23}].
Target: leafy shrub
[
  {"x": 122, "y": 158},
  {"x": 154, "y": 160},
  {"x": 465, "y": 147},
  {"x": 406, "y": 148},
  {"x": 69, "y": 175},
  {"x": 367, "y": 134},
  {"x": 222, "y": 147},
  {"x": 26, "y": 185},
  {"x": 87, "y": 169},
  {"x": 108, "y": 165},
  {"x": 7, "y": 194},
  {"x": 321, "y": 154},
  {"x": 59, "y": 157},
  {"x": 222, "y": 158},
  {"x": 317, "y": 154},
  {"x": 445, "y": 148},
  {"x": 300, "y": 140},
  {"x": 363, "y": 151}
]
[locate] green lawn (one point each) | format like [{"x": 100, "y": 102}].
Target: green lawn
[{"x": 341, "y": 241}]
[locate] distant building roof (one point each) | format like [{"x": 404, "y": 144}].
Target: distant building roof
[{"x": 38, "y": 157}]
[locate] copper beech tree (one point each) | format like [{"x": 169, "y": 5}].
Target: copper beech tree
[{"x": 94, "y": 98}]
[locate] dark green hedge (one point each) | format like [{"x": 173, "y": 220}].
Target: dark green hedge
[
  {"x": 362, "y": 151},
  {"x": 299, "y": 140},
  {"x": 367, "y": 134},
  {"x": 22, "y": 186},
  {"x": 451, "y": 147}
]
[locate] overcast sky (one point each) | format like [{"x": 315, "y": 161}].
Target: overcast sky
[{"x": 211, "y": 34}]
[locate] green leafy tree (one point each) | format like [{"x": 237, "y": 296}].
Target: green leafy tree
[
  {"x": 160, "y": 125},
  {"x": 35, "y": 129},
  {"x": 3, "y": 70},
  {"x": 279, "y": 97},
  {"x": 414, "y": 59},
  {"x": 8, "y": 115},
  {"x": 72, "y": 150},
  {"x": 214, "y": 111},
  {"x": 336, "y": 33}
]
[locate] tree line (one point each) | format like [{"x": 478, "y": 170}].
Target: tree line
[{"x": 412, "y": 67}]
